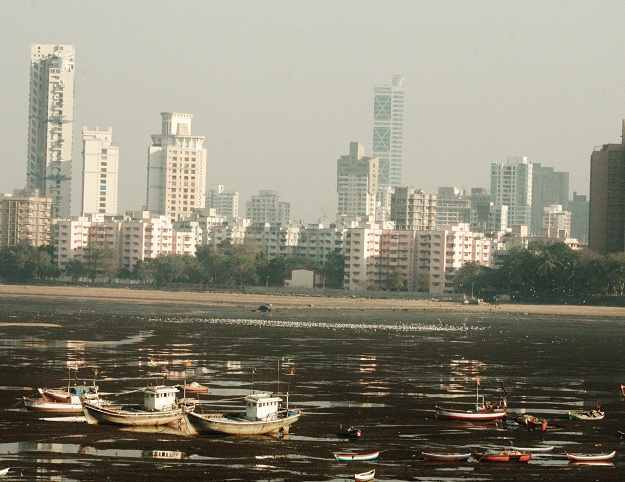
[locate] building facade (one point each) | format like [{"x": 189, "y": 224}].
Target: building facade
[
  {"x": 100, "y": 173},
  {"x": 266, "y": 208},
  {"x": 556, "y": 222},
  {"x": 549, "y": 188},
  {"x": 225, "y": 203},
  {"x": 412, "y": 209},
  {"x": 578, "y": 206},
  {"x": 388, "y": 131},
  {"x": 357, "y": 184},
  {"x": 176, "y": 168},
  {"x": 24, "y": 218},
  {"x": 51, "y": 121},
  {"x": 511, "y": 185}
]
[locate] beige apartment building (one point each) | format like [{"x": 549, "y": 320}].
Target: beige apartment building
[{"x": 24, "y": 218}]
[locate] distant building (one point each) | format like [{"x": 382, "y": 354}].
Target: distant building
[
  {"x": 579, "y": 217},
  {"x": 556, "y": 222},
  {"x": 24, "y": 218},
  {"x": 50, "y": 126},
  {"x": 225, "y": 203},
  {"x": 511, "y": 185},
  {"x": 176, "y": 168},
  {"x": 357, "y": 184},
  {"x": 549, "y": 188},
  {"x": 388, "y": 131},
  {"x": 266, "y": 207},
  {"x": 412, "y": 209},
  {"x": 606, "y": 231},
  {"x": 100, "y": 172}
]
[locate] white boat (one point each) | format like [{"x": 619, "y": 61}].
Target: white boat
[
  {"x": 363, "y": 476},
  {"x": 63, "y": 401},
  {"x": 263, "y": 414},
  {"x": 586, "y": 415},
  {"x": 3, "y": 472},
  {"x": 160, "y": 407}
]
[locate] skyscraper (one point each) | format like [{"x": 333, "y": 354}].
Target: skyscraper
[
  {"x": 511, "y": 185},
  {"x": 100, "y": 172},
  {"x": 357, "y": 184},
  {"x": 51, "y": 120},
  {"x": 388, "y": 130},
  {"x": 176, "y": 168},
  {"x": 549, "y": 188}
]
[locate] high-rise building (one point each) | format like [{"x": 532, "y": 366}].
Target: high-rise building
[
  {"x": 51, "y": 121},
  {"x": 357, "y": 184},
  {"x": 511, "y": 185},
  {"x": 24, "y": 218},
  {"x": 100, "y": 172},
  {"x": 176, "y": 168},
  {"x": 266, "y": 208},
  {"x": 225, "y": 203},
  {"x": 412, "y": 209},
  {"x": 388, "y": 130},
  {"x": 606, "y": 230},
  {"x": 579, "y": 217},
  {"x": 549, "y": 188}
]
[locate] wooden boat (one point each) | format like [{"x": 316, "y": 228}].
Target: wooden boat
[
  {"x": 502, "y": 456},
  {"x": 193, "y": 387},
  {"x": 63, "y": 401},
  {"x": 586, "y": 415},
  {"x": 364, "y": 476},
  {"x": 591, "y": 457},
  {"x": 446, "y": 456},
  {"x": 349, "y": 457},
  {"x": 622, "y": 389},
  {"x": 160, "y": 407},
  {"x": 3, "y": 472},
  {"x": 350, "y": 432},
  {"x": 532, "y": 423},
  {"x": 263, "y": 414},
  {"x": 533, "y": 450},
  {"x": 484, "y": 411}
]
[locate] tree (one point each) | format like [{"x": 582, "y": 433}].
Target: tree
[
  {"x": 334, "y": 270},
  {"x": 24, "y": 263},
  {"x": 396, "y": 280},
  {"x": 75, "y": 269},
  {"x": 101, "y": 261}
]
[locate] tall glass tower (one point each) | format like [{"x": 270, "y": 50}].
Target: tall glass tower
[
  {"x": 388, "y": 131},
  {"x": 50, "y": 124}
]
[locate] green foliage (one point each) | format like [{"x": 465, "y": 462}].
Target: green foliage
[
  {"x": 396, "y": 280},
  {"x": 334, "y": 270},
  {"x": 23, "y": 263}
]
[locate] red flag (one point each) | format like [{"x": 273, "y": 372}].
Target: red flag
[
  {"x": 292, "y": 371},
  {"x": 189, "y": 363}
]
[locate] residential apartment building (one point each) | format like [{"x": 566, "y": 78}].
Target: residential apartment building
[
  {"x": 176, "y": 168},
  {"x": 556, "y": 222},
  {"x": 511, "y": 185},
  {"x": 274, "y": 239},
  {"x": 606, "y": 230},
  {"x": 225, "y": 203},
  {"x": 50, "y": 125},
  {"x": 357, "y": 184},
  {"x": 412, "y": 209},
  {"x": 24, "y": 218},
  {"x": 549, "y": 188},
  {"x": 266, "y": 207},
  {"x": 100, "y": 173}
]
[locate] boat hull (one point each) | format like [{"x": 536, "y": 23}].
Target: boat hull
[
  {"x": 586, "y": 415},
  {"x": 505, "y": 456},
  {"x": 470, "y": 415},
  {"x": 364, "y": 476},
  {"x": 136, "y": 417},
  {"x": 346, "y": 457},
  {"x": 40, "y": 405},
  {"x": 591, "y": 457},
  {"x": 446, "y": 457},
  {"x": 235, "y": 425},
  {"x": 533, "y": 450}
]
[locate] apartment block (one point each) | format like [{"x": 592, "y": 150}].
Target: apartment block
[
  {"x": 100, "y": 174},
  {"x": 412, "y": 209},
  {"x": 24, "y": 218},
  {"x": 266, "y": 207},
  {"x": 357, "y": 184}
]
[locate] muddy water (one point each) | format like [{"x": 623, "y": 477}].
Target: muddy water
[{"x": 382, "y": 372}]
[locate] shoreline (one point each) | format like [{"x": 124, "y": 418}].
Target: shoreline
[{"x": 182, "y": 300}]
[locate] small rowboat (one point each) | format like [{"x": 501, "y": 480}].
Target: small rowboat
[
  {"x": 622, "y": 389},
  {"x": 533, "y": 450},
  {"x": 532, "y": 423},
  {"x": 446, "y": 457},
  {"x": 351, "y": 432},
  {"x": 363, "y": 476},
  {"x": 348, "y": 457},
  {"x": 3, "y": 472},
  {"x": 586, "y": 415},
  {"x": 503, "y": 456},
  {"x": 591, "y": 457}
]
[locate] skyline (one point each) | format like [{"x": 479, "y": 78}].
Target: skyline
[{"x": 281, "y": 90}]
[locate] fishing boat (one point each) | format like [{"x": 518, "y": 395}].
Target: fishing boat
[
  {"x": 532, "y": 423},
  {"x": 622, "y": 389},
  {"x": 3, "y": 472},
  {"x": 502, "y": 456},
  {"x": 483, "y": 411},
  {"x": 63, "y": 401},
  {"x": 350, "y": 457},
  {"x": 586, "y": 415},
  {"x": 263, "y": 414},
  {"x": 446, "y": 456},
  {"x": 193, "y": 387},
  {"x": 160, "y": 407},
  {"x": 533, "y": 450},
  {"x": 364, "y": 476},
  {"x": 591, "y": 457},
  {"x": 349, "y": 432}
]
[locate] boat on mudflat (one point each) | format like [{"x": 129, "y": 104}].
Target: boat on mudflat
[
  {"x": 263, "y": 414},
  {"x": 483, "y": 411},
  {"x": 349, "y": 432},
  {"x": 502, "y": 456},
  {"x": 586, "y": 415},
  {"x": 160, "y": 407},
  {"x": 63, "y": 401},
  {"x": 364, "y": 476},
  {"x": 350, "y": 457},
  {"x": 533, "y": 450},
  {"x": 622, "y": 389},
  {"x": 446, "y": 456},
  {"x": 3, "y": 472},
  {"x": 193, "y": 387},
  {"x": 532, "y": 423},
  {"x": 591, "y": 457}
]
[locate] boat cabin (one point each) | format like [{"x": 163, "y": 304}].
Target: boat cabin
[
  {"x": 261, "y": 406},
  {"x": 159, "y": 397}
]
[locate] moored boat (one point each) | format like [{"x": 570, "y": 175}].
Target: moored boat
[
  {"x": 63, "y": 401},
  {"x": 350, "y": 432},
  {"x": 622, "y": 389},
  {"x": 3, "y": 472},
  {"x": 364, "y": 476},
  {"x": 263, "y": 414},
  {"x": 533, "y": 450},
  {"x": 483, "y": 411},
  {"x": 532, "y": 423},
  {"x": 446, "y": 456},
  {"x": 350, "y": 457},
  {"x": 591, "y": 457},
  {"x": 586, "y": 415},
  {"x": 160, "y": 407},
  {"x": 502, "y": 456},
  {"x": 193, "y": 387}
]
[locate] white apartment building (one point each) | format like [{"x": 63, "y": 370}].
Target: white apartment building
[
  {"x": 556, "y": 222},
  {"x": 225, "y": 203},
  {"x": 412, "y": 209},
  {"x": 357, "y": 184},
  {"x": 266, "y": 207},
  {"x": 511, "y": 185},
  {"x": 50, "y": 125},
  {"x": 100, "y": 173},
  {"x": 441, "y": 252},
  {"x": 274, "y": 239},
  {"x": 176, "y": 168},
  {"x": 232, "y": 230},
  {"x": 24, "y": 218},
  {"x": 318, "y": 241}
]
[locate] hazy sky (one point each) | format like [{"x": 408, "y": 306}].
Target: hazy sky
[{"x": 280, "y": 88}]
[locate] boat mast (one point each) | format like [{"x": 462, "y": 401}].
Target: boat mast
[{"x": 477, "y": 392}]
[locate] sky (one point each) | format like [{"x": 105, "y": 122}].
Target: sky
[{"x": 280, "y": 88}]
